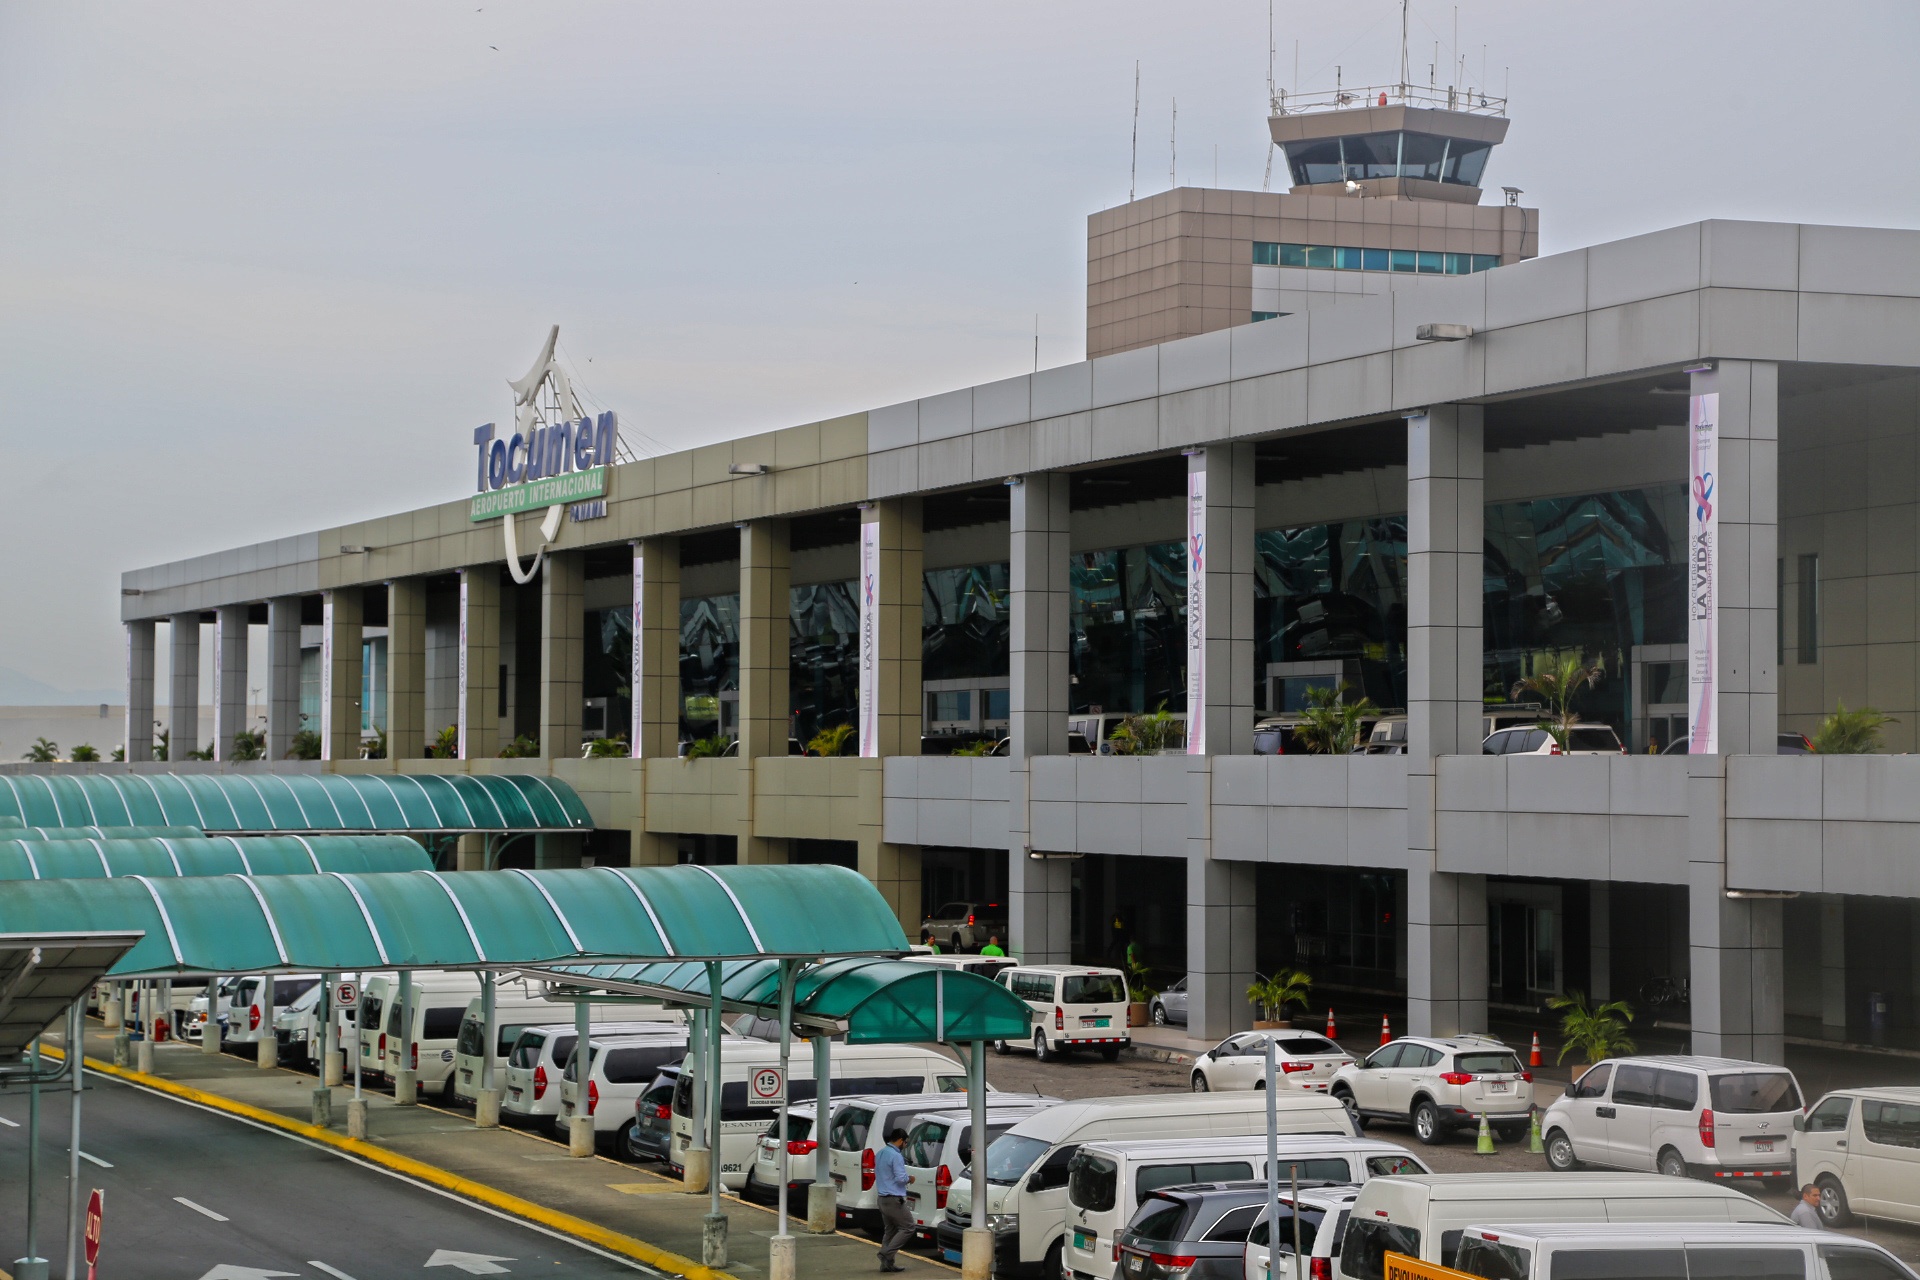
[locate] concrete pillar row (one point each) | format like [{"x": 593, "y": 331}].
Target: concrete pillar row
[
  {"x": 478, "y": 698},
  {"x": 889, "y": 590},
  {"x": 1221, "y": 928},
  {"x": 766, "y": 578},
  {"x": 183, "y": 703},
  {"x": 1220, "y": 543},
  {"x": 229, "y": 678},
  {"x": 1039, "y": 605},
  {"x": 342, "y": 625},
  {"x": 654, "y": 732},
  {"x": 140, "y": 664},
  {"x": 406, "y": 668},
  {"x": 563, "y": 603},
  {"x": 283, "y": 675},
  {"x": 1446, "y": 535}
]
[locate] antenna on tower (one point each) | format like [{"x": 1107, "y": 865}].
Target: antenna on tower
[
  {"x": 1173, "y": 148},
  {"x": 1133, "y": 169},
  {"x": 1403, "y": 48},
  {"x": 1266, "y": 179}
]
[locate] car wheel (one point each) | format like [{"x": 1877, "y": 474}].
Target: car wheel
[
  {"x": 1511, "y": 1132},
  {"x": 1671, "y": 1164},
  {"x": 953, "y": 945},
  {"x": 1159, "y": 1014},
  {"x": 1001, "y": 1046},
  {"x": 1200, "y": 1084},
  {"x": 1054, "y": 1268},
  {"x": 1560, "y": 1157},
  {"x": 623, "y": 1142},
  {"x": 630, "y": 1137},
  {"x": 1041, "y": 1053},
  {"x": 1346, "y": 1099},
  {"x": 1426, "y": 1123},
  {"x": 1833, "y": 1202},
  {"x": 1110, "y": 1053}
]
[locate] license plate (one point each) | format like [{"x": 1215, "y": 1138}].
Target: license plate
[
  {"x": 1082, "y": 1241},
  {"x": 1499, "y": 1086},
  {"x": 951, "y": 1255},
  {"x": 466, "y": 1077},
  {"x": 1763, "y": 1144},
  {"x": 1096, "y": 1022},
  {"x": 839, "y": 1180}
]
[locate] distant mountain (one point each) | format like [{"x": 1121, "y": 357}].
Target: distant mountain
[{"x": 17, "y": 689}]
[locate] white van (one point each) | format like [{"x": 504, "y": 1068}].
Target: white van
[
  {"x": 531, "y": 1074},
  {"x": 1106, "y": 1181},
  {"x": 1861, "y": 1147},
  {"x": 1074, "y": 1007},
  {"x": 513, "y": 1014},
  {"x": 940, "y": 1150},
  {"x": 439, "y": 1003},
  {"x": 1026, "y": 1169},
  {"x": 1677, "y": 1115},
  {"x": 619, "y": 1069},
  {"x": 1655, "y": 1251},
  {"x": 245, "y": 1014},
  {"x": 856, "y": 1068},
  {"x": 1423, "y": 1216},
  {"x": 763, "y": 1175},
  {"x": 859, "y": 1128}
]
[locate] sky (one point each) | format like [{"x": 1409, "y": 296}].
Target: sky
[{"x": 263, "y": 268}]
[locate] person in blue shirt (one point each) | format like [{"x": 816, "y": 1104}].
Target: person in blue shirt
[{"x": 890, "y": 1182}]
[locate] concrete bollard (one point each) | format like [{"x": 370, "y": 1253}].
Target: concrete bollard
[
  {"x": 30, "y": 1269},
  {"x": 122, "y": 1048},
  {"x": 713, "y": 1239},
  {"x": 143, "y": 1057},
  {"x": 694, "y": 1168},
  {"x": 210, "y": 1037},
  {"x": 110, "y": 1012},
  {"x": 335, "y": 1072},
  {"x": 323, "y": 1108},
  {"x": 782, "y": 1256},
  {"x": 976, "y": 1254},
  {"x": 820, "y": 1209},
  {"x": 357, "y": 1118},
  {"x": 580, "y": 1137},
  {"x": 406, "y": 1088},
  {"x": 486, "y": 1111},
  {"x": 266, "y": 1053}
]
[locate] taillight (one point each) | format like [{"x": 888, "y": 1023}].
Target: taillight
[
  {"x": 1175, "y": 1261},
  {"x": 1527, "y": 1076},
  {"x": 593, "y": 1096},
  {"x": 801, "y": 1146},
  {"x": 661, "y": 1113},
  {"x": 1294, "y": 1068},
  {"x": 1059, "y": 1018},
  {"x": 1321, "y": 1269},
  {"x": 969, "y": 919},
  {"x": 383, "y": 1044},
  {"x": 539, "y": 1083},
  {"x": 1457, "y": 1077},
  {"x": 866, "y": 1169},
  {"x": 1554, "y": 749},
  {"x": 253, "y": 1017},
  {"x": 1706, "y": 1128},
  {"x": 413, "y": 1057},
  {"x": 941, "y": 1181}
]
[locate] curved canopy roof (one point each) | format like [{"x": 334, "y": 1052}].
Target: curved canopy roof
[
  {"x": 197, "y": 855},
  {"x": 348, "y": 921},
  {"x": 247, "y": 803},
  {"x": 880, "y": 1001},
  {"x": 18, "y": 832}
]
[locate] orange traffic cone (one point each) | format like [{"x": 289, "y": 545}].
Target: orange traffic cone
[
  {"x": 1533, "y": 1060},
  {"x": 1385, "y": 1034},
  {"x": 1333, "y": 1032}
]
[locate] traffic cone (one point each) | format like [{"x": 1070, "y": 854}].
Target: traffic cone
[
  {"x": 1533, "y": 1059},
  {"x": 1485, "y": 1145},
  {"x": 1385, "y": 1034},
  {"x": 1333, "y": 1032},
  {"x": 1534, "y": 1144}
]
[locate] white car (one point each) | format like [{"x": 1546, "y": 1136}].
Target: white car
[
  {"x": 1679, "y": 1115},
  {"x": 1308, "y": 1060},
  {"x": 1439, "y": 1085},
  {"x": 1532, "y": 740},
  {"x": 1322, "y": 1220},
  {"x": 763, "y": 1175}
]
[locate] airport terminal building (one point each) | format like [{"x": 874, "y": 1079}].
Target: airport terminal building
[{"x": 1354, "y": 434}]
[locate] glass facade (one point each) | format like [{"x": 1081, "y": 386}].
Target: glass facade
[
  {"x": 1374, "y": 157},
  {"x": 709, "y": 662},
  {"x": 963, "y": 619},
  {"x": 1335, "y": 591},
  {"x": 1267, "y": 253},
  {"x": 1128, "y": 642},
  {"x": 823, "y": 657},
  {"x": 607, "y": 671}
]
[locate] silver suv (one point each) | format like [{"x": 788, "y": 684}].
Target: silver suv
[{"x": 1439, "y": 1085}]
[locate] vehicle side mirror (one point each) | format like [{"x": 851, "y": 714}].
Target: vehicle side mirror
[{"x": 1799, "y": 1124}]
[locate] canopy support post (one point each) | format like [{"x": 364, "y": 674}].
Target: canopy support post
[
  {"x": 357, "y": 1107},
  {"x": 697, "y": 1102},
  {"x": 267, "y": 1048},
  {"x": 486, "y": 1103},
  {"x": 821, "y": 1210},
  {"x": 580, "y": 1125},
  {"x": 976, "y": 1242},
  {"x": 781, "y": 1258},
  {"x": 406, "y": 1090},
  {"x": 330, "y": 1063},
  {"x": 76, "y": 1066},
  {"x": 713, "y": 1232},
  {"x": 33, "y": 1266}
]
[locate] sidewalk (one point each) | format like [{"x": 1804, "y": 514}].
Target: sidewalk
[{"x": 630, "y": 1200}]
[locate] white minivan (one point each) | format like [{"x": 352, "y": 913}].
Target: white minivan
[
  {"x": 245, "y": 1014},
  {"x": 858, "y": 1129},
  {"x": 619, "y": 1069},
  {"x": 940, "y": 1150},
  {"x": 1656, "y": 1251},
  {"x": 1677, "y": 1115},
  {"x": 1026, "y": 1169},
  {"x": 538, "y": 1058},
  {"x": 1424, "y": 1215},
  {"x": 439, "y": 1003},
  {"x": 1106, "y": 1181},
  {"x": 1074, "y": 1007},
  {"x": 519, "y": 1010},
  {"x": 1861, "y": 1147},
  {"x": 855, "y": 1068}
]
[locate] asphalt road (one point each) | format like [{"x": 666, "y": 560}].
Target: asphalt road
[{"x": 191, "y": 1191}]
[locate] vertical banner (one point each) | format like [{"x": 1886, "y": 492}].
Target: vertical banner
[
  {"x": 326, "y": 674},
  {"x": 1703, "y": 554},
  {"x": 636, "y": 699},
  {"x": 461, "y": 697},
  {"x": 1196, "y": 605},
  {"x": 869, "y": 692}
]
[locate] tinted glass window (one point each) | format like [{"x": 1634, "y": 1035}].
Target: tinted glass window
[
  {"x": 507, "y": 1036},
  {"x": 286, "y": 990},
  {"x": 1724, "y": 1262},
  {"x": 1105, "y": 988},
  {"x": 1492, "y": 1259},
  {"x": 1633, "y": 1087},
  {"x": 1860, "y": 1264},
  {"x": 1233, "y": 1224},
  {"x": 1422, "y": 1056},
  {"x": 1389, "y": 1166},
  {"x": 1325, "y": 1169},
  {"x": 1619, "y": 1264},
  {"x": 1594, "y": 1083},
  {"x": 1534, "y": 740},
  {"x": 638, "y": 1064},
  {"x": 925, "y": 1141},
  {"x": 1487, "y": 1064},
  {"x": 1155, "y": 1176},
  {"x": 1157, "y": 1220},
  {"x": 1307, "y": 1046},
  {"x": 526, "y": 1050},
  {"x": 1891, "y": 1124},
  {"x": 1053, "y": 1171},
  {"x": 1092, "y": 1181},
  {"x": 472, "y": 1034},
  {"x": 369, "y": 1011},
  {"x": 952, "y": 911},
  {"x": 1755, "y": 1093},
  {"x": 849, "y": 1131},
  {"x": 1592, "y": 740},
  {"x": 442, "y": 1023},
  {"x": 1830, "y": 1116},
  {"x": 1309, "y": 1222},
  {"x": 1363, "y": 1254},
  {"x": 1676, "y": 1090}
]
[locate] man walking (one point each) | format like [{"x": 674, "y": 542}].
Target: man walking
[
  {"x": 1807, "y": 1212},
  {"x": 890, "y": 1181}
]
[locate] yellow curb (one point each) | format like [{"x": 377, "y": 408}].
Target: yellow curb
[{"x": 553, "y": 1219}]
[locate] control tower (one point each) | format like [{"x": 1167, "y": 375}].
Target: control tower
[{"x": 1385, "y": 185}]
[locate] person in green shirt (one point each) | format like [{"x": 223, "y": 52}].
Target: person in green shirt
[
  {"x": 926, "y": 940},
  {"x": 993, "y": 947}
]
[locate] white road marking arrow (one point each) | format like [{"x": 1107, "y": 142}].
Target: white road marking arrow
[
  {"x": 474, "y": 1264},
  {"x": 226, "y": 1271}
]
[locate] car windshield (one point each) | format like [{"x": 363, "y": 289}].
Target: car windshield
[
  {"x": 952, "y": 911},
  {"x": 1308, "y": 1046},
  {"x": 1010, "y": 1156},
  {"x": 1752, "y": 1093},
  {"x": 1487, "y": 1064},
  {"x": 1094, "y": 988}
]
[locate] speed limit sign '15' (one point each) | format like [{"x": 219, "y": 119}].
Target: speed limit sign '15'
[{"x": 767, "y": 1084}]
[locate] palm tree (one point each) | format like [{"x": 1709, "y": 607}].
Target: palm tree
[
  {"x": 86, "y": 753},
  {"x": 1555, "y": 686},
  {"x": 42, "y": 752},
  {"x": 1331, "y": 725},
  {"x": 1596, "y": 1033},
  {"x": 1850, "y": 733}
]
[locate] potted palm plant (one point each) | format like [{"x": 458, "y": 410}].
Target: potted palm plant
[
  {"x": 1140, "y": 991},
  {"x": 1850, "y": 733},
  {"x": 1555, "y": 685},
  {"x": 1331, "y": 725},
  {"x": 1596, "y": 1033},
  {"x": 1272, "y": 995}
]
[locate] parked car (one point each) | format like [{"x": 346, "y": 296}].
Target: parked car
[
  {"x": 966, "y": 926},
  {"x": 858, "y": 1129},
  {"x": 940, "y": 1153},
  {"x": 1308, "y": 1061},
  {"x": 1439, "y": 1085},
  {"x": 246, "y": 1018},
  {"x": 1542, "y": 1251},
  {"x": 1170, "y": 1006},
  {"x": 620, "y": 1068},
  {"x": 1074, "y": 1007},
  {"x": 1532, "y": 740},
  {"x": 1317, "y": 1218},
  {"x": 538, "y": 1058},
  {"x": 1196, "y": 1232},
  {"x": 1677, "y": 1115},
  {"x": 298, "y": 1027},
  {"x": 1861, "y": 1147},
  {"x": 1785, "y": 744},
  {"x": 651, "y": 1136},
  {"x": 763, "y": 1175}
]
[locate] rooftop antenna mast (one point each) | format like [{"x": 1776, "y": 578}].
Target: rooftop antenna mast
[
  {"x": 1266, "y": 180},
  {"x": 1403, "y": 48},
  {"x": 1133, "y": 169},
  {"x": 1173, "y": 148}
]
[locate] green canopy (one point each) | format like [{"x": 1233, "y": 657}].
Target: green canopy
[
  {"x": 880, "y": 1001},
  {"x": 347, "y": 921},
  {"x": 18, "y": 832},
  {"x": 245, "y": 803},
  {"x": 197, "y": 855}
]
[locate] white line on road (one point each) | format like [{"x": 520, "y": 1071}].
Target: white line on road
[
  {"x": 200, "y": 1208},
  {"x": 11, "y": 1124},
  {"x": 93, "y": 1159},
  {"x": 335, "y": 1272}
]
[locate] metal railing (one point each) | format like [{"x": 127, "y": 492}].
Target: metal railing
[{"x": 1473, "y": 101}]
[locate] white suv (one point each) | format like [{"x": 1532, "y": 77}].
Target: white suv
[
  {"x": 1533, "y": 740},
  {"x": 1440, "y": 1084},
  {"x": 1678, "y": 1115}
]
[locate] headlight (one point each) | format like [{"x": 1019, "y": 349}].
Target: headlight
[{"x": 1002, "y": 1224}]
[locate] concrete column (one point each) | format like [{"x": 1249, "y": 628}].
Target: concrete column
[
  {"x": 1746, "y": 588},
  {"x": 1736, "y": 945},
  {"x": 1040, "y": 890},
  {"x": 895, "y": 872},
  {"x": 478, "y": 700},
  {"x": 1220, "y": 600},
  {"x": 1599, "y": 942},
  {"x": 139, "y": 738},
  {"x": 1833, "y": 966},
  {"x": 765, "y": 692},
  {"x": 1220, "y": 937},
  {"x": 890, "y": 590},
  {"x": 563, "y": 602},
  {"x": 406, "y": 668},
  {"x": 229, "y": 678},
  {"x": 283, "y": 675},
  {"x": 342, "y": 613},
  {"x": 1446, "y": 913},
  {"x": 183, "y": 709},
  {"x": 655, "y": 732}
]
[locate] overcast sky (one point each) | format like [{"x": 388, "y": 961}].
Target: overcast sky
[{"x": 263, "y": 268}]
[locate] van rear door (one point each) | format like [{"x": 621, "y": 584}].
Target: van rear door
[{"x": 1753, "y": 1115}]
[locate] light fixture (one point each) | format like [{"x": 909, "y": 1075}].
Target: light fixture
[
  {"x": 1761, "y": 895},
  {"x": 747, "y": 469},
  {"x": 129, "y": 591},
  {"x": 353, "y": 549},
  {"x": 1443, "y": 332},
  {"x": 1513, "y": 196},
  {"x": 1013, "y": 482},
  {"x": 1704, "y": 366},
  {"x": 1047, "y": 855}
]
